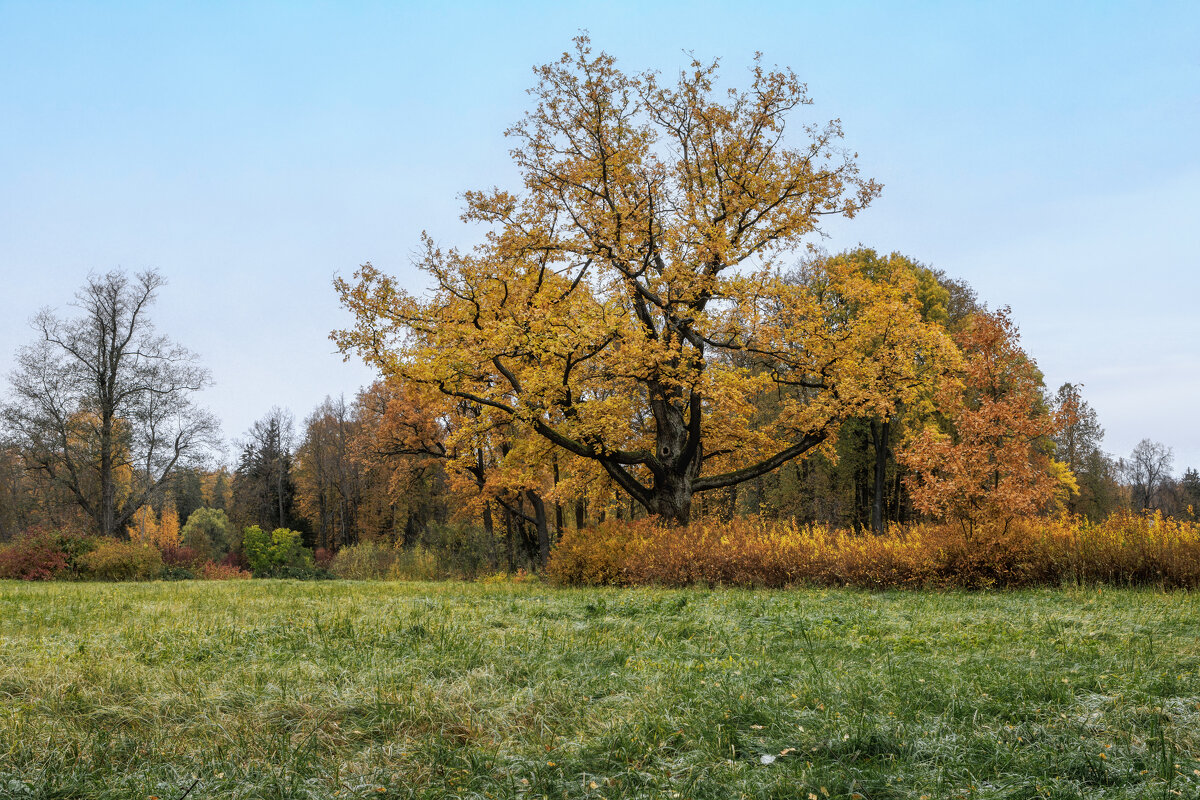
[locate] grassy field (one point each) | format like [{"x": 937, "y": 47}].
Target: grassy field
[{"x": 271, "y": 689}]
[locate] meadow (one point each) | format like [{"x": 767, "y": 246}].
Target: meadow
[{"x": 283, "y": 689}]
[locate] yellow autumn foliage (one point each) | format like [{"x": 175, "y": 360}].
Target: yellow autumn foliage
[
  {"x": 143, "y": 527},
  {"x": 1122, "y": 550},
  {"x": 632, "y": 306}
]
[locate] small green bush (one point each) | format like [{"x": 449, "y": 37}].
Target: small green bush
[
  {"x": 174, "y": 573},
  {"x": 75, "y": 544},
  {"x": 276, "y": 553},
  {"x": 207, "y": 532},
  {"x": 112, "y": 560}
]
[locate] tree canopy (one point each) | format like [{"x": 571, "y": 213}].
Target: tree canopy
[
  {"x": 994, "y": 463},
  {"x": 629, "y": 304}
]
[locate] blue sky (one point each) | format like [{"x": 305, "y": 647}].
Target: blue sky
[{"x": 1044, "y": 152}]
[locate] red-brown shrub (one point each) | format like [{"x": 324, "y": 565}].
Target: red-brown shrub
[
  {"x": 182, "y": 556},
  {"x": 36, "y": 555}
]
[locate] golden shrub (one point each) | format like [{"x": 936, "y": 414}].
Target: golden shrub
[{"x": 1123, "y": 549}]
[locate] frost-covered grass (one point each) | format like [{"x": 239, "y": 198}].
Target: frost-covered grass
[{"x": 272, "y": 689}]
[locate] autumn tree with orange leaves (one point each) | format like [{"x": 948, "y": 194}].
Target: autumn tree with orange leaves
[
  {"x": 627, "y": 305},
  {"x": 399, "y": 445},
  {"x": 994, "y": 463},
  {"x": 421, "y": 437}
]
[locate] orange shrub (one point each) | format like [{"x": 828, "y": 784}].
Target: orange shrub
[
  {"x": 756, "y": 552},
  {"x": 211, "y": 571}
]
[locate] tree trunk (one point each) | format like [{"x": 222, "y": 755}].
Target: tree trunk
[
  {"x": 279, "y": 490},
  {"x": 543, "y": 531},
  {"x": 510, "y": 540},
  {"x": 489, "y": 530},
  {"x": 673, "y": 501},
  {"x": 529, "y": 531},
  {"x": 325, "y": 516},
  {"x": 489, "y": 527},
  {"x": 558, "y": 510},
  {"x": 879, "y": 437},
  {"x": 579, "y": 519},
  {"x": 108, "y": 489}
]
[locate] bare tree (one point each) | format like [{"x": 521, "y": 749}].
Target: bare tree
[
  {"x": 1148, "y": 470},
  {"x": 103, "y": 405},
  {"x": 328, "y": 479}
]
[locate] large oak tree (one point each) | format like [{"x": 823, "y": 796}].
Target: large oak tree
[{"x": 627, "y": 304}]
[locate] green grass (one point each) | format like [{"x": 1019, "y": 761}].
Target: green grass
[{"x": 273, "y": 689}]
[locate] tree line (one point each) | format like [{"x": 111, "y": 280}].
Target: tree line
[{"x": 397, "y": 463}]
